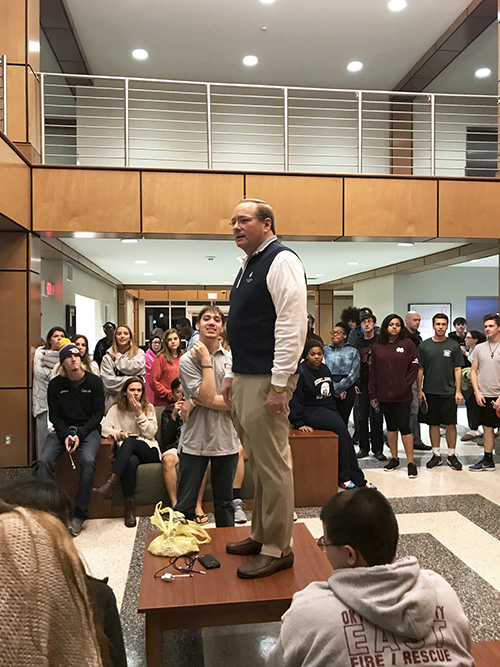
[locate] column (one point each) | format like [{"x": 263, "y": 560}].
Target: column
[
  {"x": 20, "y": 43},
  {"x": 19, "y": 336}
]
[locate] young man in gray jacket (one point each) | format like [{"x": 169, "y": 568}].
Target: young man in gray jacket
[{"x": 374, "y": 611}]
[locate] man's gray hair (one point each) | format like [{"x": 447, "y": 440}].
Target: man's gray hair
[{"x": 264, "y": 210}]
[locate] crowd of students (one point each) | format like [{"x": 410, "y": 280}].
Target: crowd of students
[
  {"x": 137, "y": 398},
  {"x": 389, "y": 372}
]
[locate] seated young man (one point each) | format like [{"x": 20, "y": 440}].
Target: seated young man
[
  {"x": 76, "y": 409},
  {"x": 373, "y": 610}
]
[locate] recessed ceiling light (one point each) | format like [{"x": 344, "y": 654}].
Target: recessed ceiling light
[
  {"x": 320, "y": 275},
  {"x": 141, "y": 261},
  {"x": 405, "y": 245},
  {"x": 153, "y": 282},
  {"x": 267, "y": 2},
  {"x": 128, "y": 240},
  {"x": 140, "y": 54},
  {"x": 475, "y": 260},
  {"x": 396, "y": 5},
  {"x": 149, "y": 274},
  {"x": 355, "y": 66},
  {"x": 250, "y": 61},
  {"x": 34, "y": 46},
  {"x": 352, "y": 263},
  {"x": 483, "y": 72}
]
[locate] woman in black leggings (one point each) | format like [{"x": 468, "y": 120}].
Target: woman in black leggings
[
  {"x": 393, "y": 369},
  {"x": 313, "y": 407},
  {"x": 131, "y": 421}
]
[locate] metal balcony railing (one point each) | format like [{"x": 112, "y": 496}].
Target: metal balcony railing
[{"x": 115, "y": 121}]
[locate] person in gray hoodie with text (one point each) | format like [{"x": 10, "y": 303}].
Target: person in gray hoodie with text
[{"x": 374, "y": 610}]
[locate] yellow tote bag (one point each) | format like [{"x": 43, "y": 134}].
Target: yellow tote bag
[{"x": 179, "y": 536}]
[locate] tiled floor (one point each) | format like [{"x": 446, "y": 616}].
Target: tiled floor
[{"x": 449, "y": 520}]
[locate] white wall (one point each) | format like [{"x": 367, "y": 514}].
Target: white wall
[
  {"x": 448, "y": 285},
  {"x": 86, "y": 284},
  {"x": 377, "y": 294}
]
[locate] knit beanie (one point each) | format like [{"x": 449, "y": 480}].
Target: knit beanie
[{"x": 66, "y": 349}]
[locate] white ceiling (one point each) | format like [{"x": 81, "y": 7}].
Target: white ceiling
[
  {"x": 305, "y": 44},
  {"x": 179, "y": 262},
  {"x": 459, "y": 77},
  {"x": 485, "y": 262}
]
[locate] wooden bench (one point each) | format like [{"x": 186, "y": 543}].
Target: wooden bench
[{"x": 315, "y": 458}]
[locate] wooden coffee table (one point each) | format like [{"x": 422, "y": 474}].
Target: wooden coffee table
[{"x": 220, "y": 597}]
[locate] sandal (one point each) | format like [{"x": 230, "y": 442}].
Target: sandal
[
  {"x": 201, "y": 518},
  {"x": 347, "y": 485}
]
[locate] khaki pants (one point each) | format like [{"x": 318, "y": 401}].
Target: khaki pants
[{"x": 265, "y": 440}]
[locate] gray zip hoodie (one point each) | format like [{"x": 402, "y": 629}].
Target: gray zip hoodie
[{"x": 377, "y": 616}]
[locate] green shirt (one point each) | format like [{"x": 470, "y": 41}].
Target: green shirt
[{"x": 439, "y": 361}]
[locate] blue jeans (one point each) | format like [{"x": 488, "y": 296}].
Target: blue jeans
[
  {"x": 85, "y": 455},
  {"x": 191, "y": 472}
]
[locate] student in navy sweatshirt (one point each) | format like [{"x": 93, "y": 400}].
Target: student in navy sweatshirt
[
  {"x": 313, "y": 406},
  {"x": 393, "y": 370}
]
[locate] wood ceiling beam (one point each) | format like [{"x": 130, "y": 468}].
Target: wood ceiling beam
[
  {"x": 437, "y": 260},
  {"x": 478, "y": 16}
]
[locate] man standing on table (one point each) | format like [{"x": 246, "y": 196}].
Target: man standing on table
[{"x": 266, "y": 328}]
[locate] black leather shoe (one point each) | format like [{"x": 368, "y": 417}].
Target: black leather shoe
[
  {"x": 422, "y": 448},
  {"x": 362, "y": 453},
  {"x": 264, "y": 566},
  {"x": 246, "y": 547}
]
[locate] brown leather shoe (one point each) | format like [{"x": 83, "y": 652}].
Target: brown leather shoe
[
  {"x": 246, "y": 547},
  {"x": 130, "y": 521},
  {"x": 107, "y": 489},
  {"x": 264, "y": 566}
]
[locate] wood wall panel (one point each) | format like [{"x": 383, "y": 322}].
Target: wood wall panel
[
  {"x": 13, "y": 251},
  {"x": 390, "y": 207},
  {"x": 12, "y": 30},
  {"x": 14, "y": 186},
  {"x": 13, "y": 328},
  {"x": 86, "y": 200},
  {"x": 184, "y": 203},
  {"x": 34, "y": 128},
  {"x": 14, "y": 420},
  {"x": 469, "y": 209},
  {"x": 34, "y": 320},
  {"x": 33, "y": 32},
  {"x": 17, "y": 129},
  {"x": 303, "y": 205}
]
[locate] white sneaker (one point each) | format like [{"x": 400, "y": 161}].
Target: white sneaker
[
  {"x": 295, "y": 517},
  {"x": 239, "y": 514}
]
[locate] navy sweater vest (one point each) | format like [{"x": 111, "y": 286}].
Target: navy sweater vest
[{"x": 252, "y": 316}]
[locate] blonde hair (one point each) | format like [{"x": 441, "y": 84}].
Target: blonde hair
[
  {"x": 164, "y": 347},
  {"x": 133, "y": 348},
  {"x": 33, "y": 543}
]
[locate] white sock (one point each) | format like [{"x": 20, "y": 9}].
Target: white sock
[
  {"x": 436, "y": 451},
  {"x": 451, "y": 452}
]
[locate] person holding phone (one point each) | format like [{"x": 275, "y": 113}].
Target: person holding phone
[
  {"x": 76, "y": 408},
  {"x": 131, "y": 422}
]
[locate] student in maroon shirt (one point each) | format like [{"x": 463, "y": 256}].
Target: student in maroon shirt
[{"x": 393, "y": 370}]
